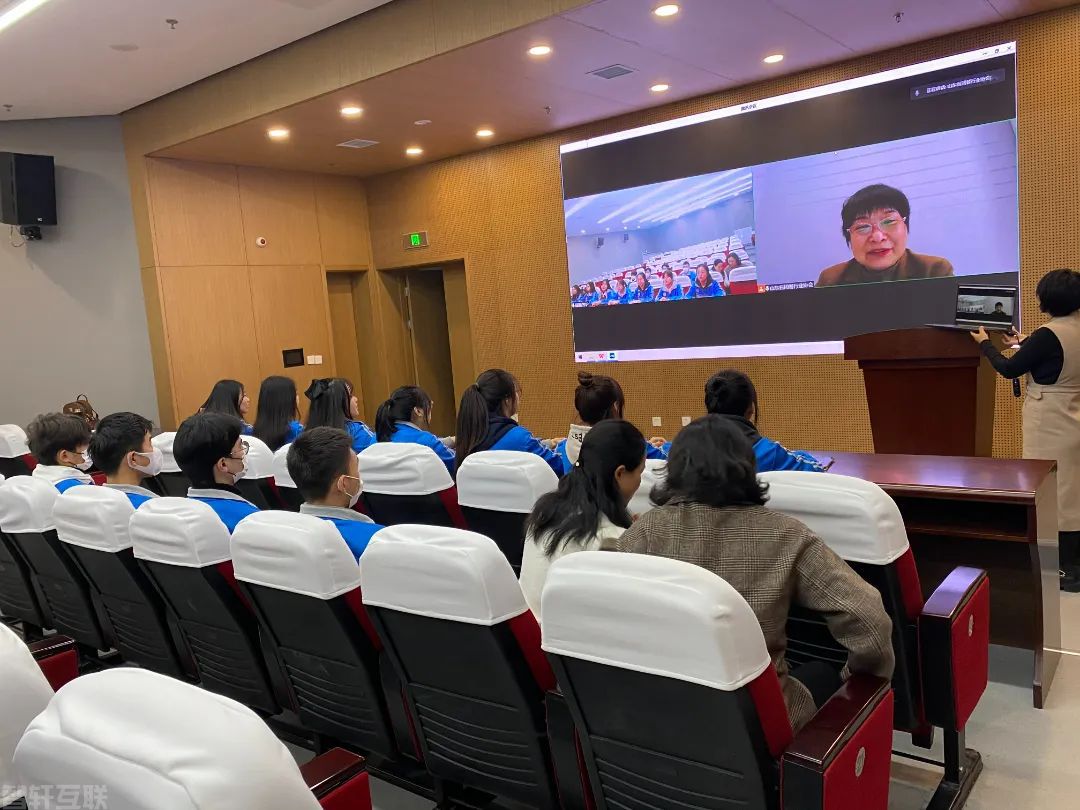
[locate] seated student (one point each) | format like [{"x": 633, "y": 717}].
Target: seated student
[
  {"x": 669, "y": 291},
  {"x": 60, "y": 443},
  {"x": 334, "y": 405},
  {"x": 210, "y": 452},
  {"x": 622, "y": 296},
  {"x": 323, "y": 465},
  {"x": 575, "y": 294},
  {"x": 589, "y": 506},
  {"x": 712, "y": 513},
  {"x": 487, "y": 420},
  {"x": 598, "y": 398},
  {"x": 718, "y": 266},
  {"x": 731, "y": 394},
  {"x": 589, "y": 296},
  {"x": 229, "y": 397},
  {"x": 278, "y": 422},
  {"x": 704, "y": 286},
  {"x": 122, "y": 450},
  {"x": 604, "y": 294},
  {"x": 406, "y": 417},
  {"x": 642, "y": 289}
]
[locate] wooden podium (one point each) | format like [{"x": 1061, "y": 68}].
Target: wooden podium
[{"x": 930, "y": 391}]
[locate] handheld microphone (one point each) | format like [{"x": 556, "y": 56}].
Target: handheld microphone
[{"x": 1016, "y": 388}]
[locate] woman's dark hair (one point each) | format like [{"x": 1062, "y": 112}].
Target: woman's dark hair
[
  {"x": 277, "y": 408},
  {"x": 698, "y": 269},
  {"x": 574, "y": 291},
  {"x": 711, "y": 462},
  {"x": 596, "y": 397},
  {"x": 481, "y": 399},
  {"x": 330, "y": 403},
  {"x": 668, "y": 274},
  {"x": 641, "y": 275},
  {"x": 1059, "y": 292},
  {"x": 591, "y": 287},
  {"x": 730, "y": 393},
  {"x": 399, "y": 408},
  {"x": 572, "y": 512},
  {"x": 224, "y": 398},
  {"x": 622, "y": 281},
  {"x": 604, "y": 284},
  {"x": 735, "y": 256},
  {"x": 873, "y": 198}
]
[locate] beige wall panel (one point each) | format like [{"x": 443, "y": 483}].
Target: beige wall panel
[
  {"x": 280, "y": 207},
  {"x": 459, "y": 324},
  {"x": 341, "y": 293},
  {"x": 341, "y": 206}
]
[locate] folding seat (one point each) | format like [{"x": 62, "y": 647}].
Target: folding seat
[
  {"x": 92, "y": 523},
  {"x": 653, "y": 474},
  {"x": 15, "y": 458},
  {"x": 257, "y": 485},
  {"x": 184, "y": 548},
  {"x": 466, "y": 646},
  {"x": 19, "y": 600},
  {"x": 497, "y": 490},
  {"x": 408, "y": 483},
  {"x": 286, "y": 487},
  {"x": 170, "y": 481},
  {"x": 130, "y": 739},
  {"x": 26, "y": 518},
  {"x": 743, "y": 280},
  {"x": 677, "y": 702},
  {"x": 941, "y": 643}
]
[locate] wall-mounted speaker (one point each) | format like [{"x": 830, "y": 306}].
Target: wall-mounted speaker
[{"x": 27, "y": 190}]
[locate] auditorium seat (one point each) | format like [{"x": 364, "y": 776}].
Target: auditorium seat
[
  {"x": 26, "y": 518},
  {"x": 677, "y": 702},
  {"x": 653, "y": 474},
  {"x": 408, "y": 483},
  {"x": 454, "y": 621},
  {"x": 497, "y": 490},
  {"x": 257, "y": 485},
  {"x": 286, "y": 487},
  {"x": 15, "y": 458},
  {"x": 19, "y": 600},
  {"x": 184, "y": 548},
  {"x": 92, "y": 523},
  {"x": 131, "y": 739},
  {"x": 170, "y": 481},
  {"x": 743, "y": 280},
  {"x": 941, "y": 644}
]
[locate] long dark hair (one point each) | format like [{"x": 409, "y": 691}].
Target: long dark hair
[
  {"x": 480, "y": 400},
  {"x": 224, "y": 398},
  {"x": 711, "y": 462},
  {"x": 596, "y": 398},
  {"x": 731, "y": 393},
  {"x": 572, "y": 512},
  {"x": 399, "y": 408},
  {"x": 709, "y": 279},
  {"x": 331, "y": 399},
  {"x": 277, "y": 408}
]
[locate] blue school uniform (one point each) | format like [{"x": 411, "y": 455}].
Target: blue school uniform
[
  {"x": 355, "y": 529},
  {"x": 362, "y": 436},
  {"x": 137, "y": 495},
  {"x": 651, "y": 452},
  {"x": 772, "y": 456},
  {"x": 295, "y": 429},
  {"x": 407, "y": 432},
  {"x": 610, "y": 297},
  {"x": 506, "y": 434},
  {"x": 227, "y": 503},
  {"x": 713, "y": 290},
  {"x": 246, "y": 430},
  {"x": 588, "y": 299},
  {"x": 637, "y": 295},
  {"x": 673, "y": 295}
]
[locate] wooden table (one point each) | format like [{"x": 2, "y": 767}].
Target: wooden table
[{"x": 995, "y": 514}]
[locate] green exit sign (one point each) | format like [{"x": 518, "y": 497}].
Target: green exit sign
[{"x": 417, "y": 239}]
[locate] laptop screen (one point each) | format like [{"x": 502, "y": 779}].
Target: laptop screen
[{"x": 985, "y": 306}]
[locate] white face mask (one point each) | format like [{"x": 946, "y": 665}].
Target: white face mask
[
  {"x": 86, "y": 463},
  {"x": 157, "y": 461},
  {"x": 353, "y": 498},
  {"x": 236, "y": 476}
]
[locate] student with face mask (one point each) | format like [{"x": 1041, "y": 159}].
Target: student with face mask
[
  {"x": 324, "y": 467},
  {"x": 406, "y": 417},
  {"x": 210, "y": 452},
  {"x": 122, "y": 450},
  {"x": 60, "y": 443}
]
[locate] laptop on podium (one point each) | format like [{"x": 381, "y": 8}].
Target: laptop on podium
[{"x": 993, "y": 308}]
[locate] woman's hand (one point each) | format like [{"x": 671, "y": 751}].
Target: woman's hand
[
  {"x": 1013, "y": 339},
  {"x": 658, "y": 441},
  {"x": 980, "y": 335}
]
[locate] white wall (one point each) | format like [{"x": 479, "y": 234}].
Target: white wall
[{"x": 72, "y": 319}]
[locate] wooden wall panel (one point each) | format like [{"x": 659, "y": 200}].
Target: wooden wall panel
[
  {"x": 459, "y": 325},
  {"x": 196, "y": 213},
  {"x": 279, "y": 206},
  {"x": 340, "y": 289},
  {"x": 341, "y": 206},
  {"x": 159, "y": 348}
]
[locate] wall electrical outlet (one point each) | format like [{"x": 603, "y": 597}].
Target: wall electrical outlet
[
  {"x": 686, "y": 420},
  {"x": 311, "y": 359},
  {"x": 318, "y": 359},
  {"x": 657, "y": 421}
]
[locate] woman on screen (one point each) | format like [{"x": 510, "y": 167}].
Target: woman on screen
[
  {"x": 588, "y": 294},
  {"x": 622, "y": 296},
  {"x": 575, "y": 295},
  {"x": 605, "y": 295},
  {"x": 704, "y": 286},
  {"x": 642, "y": 290},
  {"x": 669, "y": 290}
]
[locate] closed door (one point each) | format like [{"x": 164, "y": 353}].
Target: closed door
[
  {"x": 431, "y": 345},
  {"x": 340, "y": 288}
]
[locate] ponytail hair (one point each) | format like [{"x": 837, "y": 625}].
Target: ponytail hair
[
  {"x": 572, "y": 512},
  {"x": 598, "y": 398},
  {"x": 731, "y": 393},
  {"x": 224, "y": 398},
  {"x": 399, "y": 408},
  {"x": 480, "y": 400},
  {"x": 277, "y": 408},
  {"x": 331, "y": 399}
]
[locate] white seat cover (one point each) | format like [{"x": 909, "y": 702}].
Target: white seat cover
[
  {"x": 26, "y": 505},
  {"x": 156, "y": 743},
  {"x": 94, "y": 517},
  {"x": 179, "y": 531},
  {"x": 504, "y": 480},
  {"x": 292, "y": 552},
  {"x": 743, "y": 273},
  {"x": 403, "y": 468},
  {"x": 441, "y": 573},
  {"x": 654, "y": 473},
  {"x": 856, "y": 519},
  {"x": 260, "y": 458},
  {"x": 24, "y": 693},
  {"x": 281, "y": 467},
  {"x": 164, "y": 443},
  {"x": 13, "y": 442},
  {"x": 652, "y": 614}
]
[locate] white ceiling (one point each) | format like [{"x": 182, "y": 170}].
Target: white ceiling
[{"x": 58, "y": 61}]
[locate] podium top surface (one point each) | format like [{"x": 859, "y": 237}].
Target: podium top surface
[
  {"x": 920, "y": 343},
  {"x": 957, "y": 477}
]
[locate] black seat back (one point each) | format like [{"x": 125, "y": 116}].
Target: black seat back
[
  {"x": 507, "y": 529},
  {"x": 18, "y": 591}
]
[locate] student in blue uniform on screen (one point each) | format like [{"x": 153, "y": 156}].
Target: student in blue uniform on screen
[
  {"x": 731, "y": 394},
  {"x": 488, "y": 420},
  {"x": 622, "y": 295},
  {"x": 642, "y": 290},
  {"x": 406, "y": 417},
  {"x": 589, "y": 296},
  {"x": 210, "y": 451},
  {"x": 278, "y": 422},
  {"x": 605, "y": 294},
  {"x": 334, "y": 405},
  {"x": 703, "y": 285},
  {"x": 60, "y": 444},
  {"x": 324, "y": 467},
  {"x": 575, "y": 295},
  {"x": 669, "y": 290},
  {"x": 122, "y": 450},
  {"x": 230, "y": 398}
]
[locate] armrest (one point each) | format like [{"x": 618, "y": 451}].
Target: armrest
[
  {"x": 841, "y": 758},
  {"x": 58, "y": 658},
  {"x": 567, "y": 757},
  {"x": 338, "y": 780},
  {"x": 954, "y": 647}
]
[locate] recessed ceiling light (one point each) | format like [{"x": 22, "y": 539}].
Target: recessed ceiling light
[
  {"x": 660, "y": 88},
  {"x": 539, "y": 50},
  {"x": 278, "y": 133},
  {"x": 413, "y": 151},
  {"x": 773, "y": 58},
  {"x": 484, "y": 133},
  {"x": 18, "y": 11},
  {"x": 666, "y": 10},
  {"x": 351, "y": 110},
  {"x": 422, "y": 122}
]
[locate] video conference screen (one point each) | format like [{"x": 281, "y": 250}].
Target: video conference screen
[{"x": 785, "y": 225}]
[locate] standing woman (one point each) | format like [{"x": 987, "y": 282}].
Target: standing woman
[
  {"x": 278, "y": 421},
  {"x": 406, "y": 417},
  {"x": 1051, "y": 360},
  {"x": 334, "y": 405},
  {"x": 230, "y": 398},
  {"x": 487, "y": 420}
]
